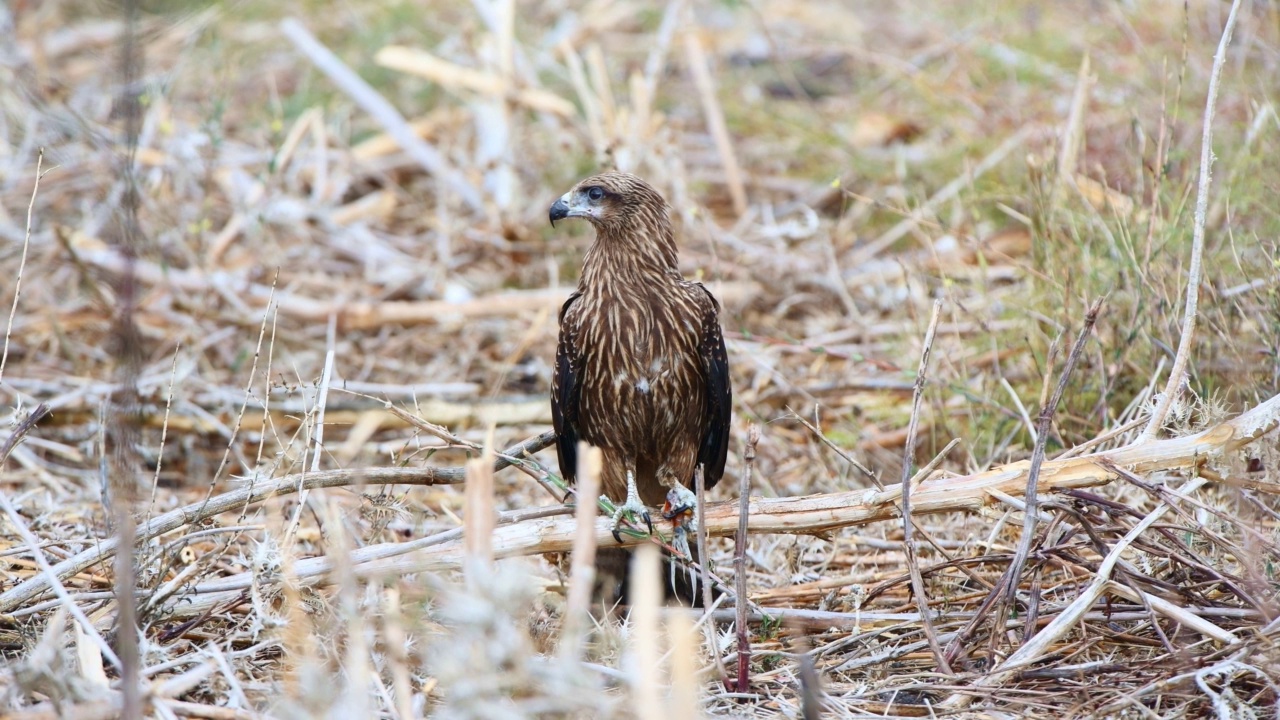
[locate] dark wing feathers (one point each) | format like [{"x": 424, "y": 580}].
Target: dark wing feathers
[
  {"x": 715, "y": 363},
  {"x": 564, "y": 396}
]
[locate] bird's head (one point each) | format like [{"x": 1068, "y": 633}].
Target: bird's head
[{"x": 612, "y": 201}]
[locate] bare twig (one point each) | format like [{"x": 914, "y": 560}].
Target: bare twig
[
  {"x": 22, "y": 262},
  {"x": 908, "y": 455},
  {"x": 1075, "y": 611},
  {"x": 317, "y": 424},
  {"x": 1177, "y": 374},
  {"x": 838, "y": 450},
  {"x": 740, "y": 560},
  {"x": 1043, "y": 426},
  {"x": 704, "y": 571},
  {"x": 19, "y": 432}
]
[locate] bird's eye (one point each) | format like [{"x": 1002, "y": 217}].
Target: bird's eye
[{"x": 595, "y": 193}]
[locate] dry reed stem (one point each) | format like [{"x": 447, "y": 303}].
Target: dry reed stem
[
  {"x": 908, "y": 460},
  {"x": 1177, "y": 374},
  {"x": 683, "y": 639},
  {"x": 22, "y": 262},
  {"x": 454, "y": 77},
  {"x": 480, "y": 517},
  {"x": 582, "y": 570},
  {"x": 397, "y": 648},
  {"x": 353, "y": 700},
  {"x": 1174, "y": 612},
  {"x": 646, "y": 579},
  {"x": 1073, "y": 131},
  {"x": 700, "y": 70}
]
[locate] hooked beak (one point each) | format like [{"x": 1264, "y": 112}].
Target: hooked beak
[{"x": 559, "y": 211}]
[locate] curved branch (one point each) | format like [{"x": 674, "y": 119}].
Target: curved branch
[{"x": 255, "y": 492}]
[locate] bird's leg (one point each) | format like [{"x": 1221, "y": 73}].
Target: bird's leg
[
  {"x": 680, "y": 509},
  {"x": 680, "y": 506},
  {"x": 632, "y": 505}
]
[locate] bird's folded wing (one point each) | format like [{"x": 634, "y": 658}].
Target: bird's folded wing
[{"x": 715, "y": 363}]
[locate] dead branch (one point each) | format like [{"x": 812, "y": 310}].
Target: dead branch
[
  {"x": 810, "y": 514},
  {"x": 796, "y": 515},
  {"x": 255, "y": 492},
  {"x": 1173, "y": 387}
]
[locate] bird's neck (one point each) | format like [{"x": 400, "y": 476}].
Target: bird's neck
[{"x": 631, "y": 255}]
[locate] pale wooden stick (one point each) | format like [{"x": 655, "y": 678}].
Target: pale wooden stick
[
  {"x": 477, "y": 533},
  {"x": 1174, "y": 612},
  {"x": 1173, "y": 387}
]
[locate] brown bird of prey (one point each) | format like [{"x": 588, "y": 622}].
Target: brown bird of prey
[{"x": 641, "y": 370}]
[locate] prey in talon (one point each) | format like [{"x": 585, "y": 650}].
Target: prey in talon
[
  {"x": 641, "y": 370},
  {"x": 681, "y": 509}
]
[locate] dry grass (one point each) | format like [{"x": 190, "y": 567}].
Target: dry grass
[{"x": 322, "y": 237}]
